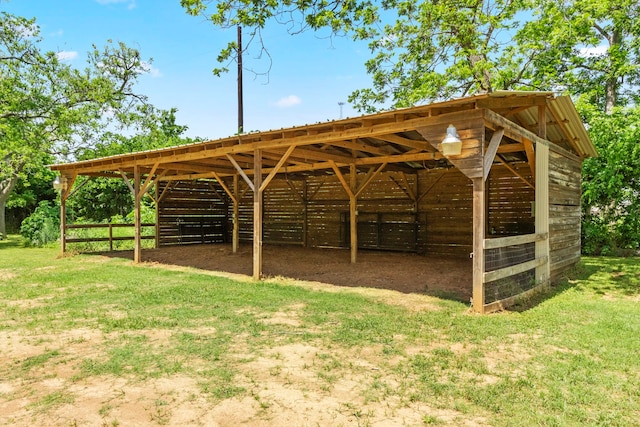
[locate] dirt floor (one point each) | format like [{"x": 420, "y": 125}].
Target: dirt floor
[{"x": 404, "y": 272}]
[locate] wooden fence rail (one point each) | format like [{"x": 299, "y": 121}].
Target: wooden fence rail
[
  {"x": 111, "y": 238},
  {"x": 515, "y": 269}
]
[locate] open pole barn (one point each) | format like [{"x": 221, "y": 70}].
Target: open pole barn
[{"x": 508, "y": 202}]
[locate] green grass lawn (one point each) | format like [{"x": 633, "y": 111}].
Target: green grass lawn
[{"x": 571, "y": 359}]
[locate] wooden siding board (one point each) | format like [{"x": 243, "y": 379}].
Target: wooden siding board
[{"x": 564, "y": 212}]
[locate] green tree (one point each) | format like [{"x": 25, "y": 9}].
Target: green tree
[
  {"x": 589, "y": 47},
  {"x": 47, "y": 106},
  {"x": 437, "y": 49},
  {"x": 103, "y": 198},
  {"x": 611, "y": 182}
]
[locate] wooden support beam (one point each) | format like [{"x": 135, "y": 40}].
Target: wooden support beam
[
  {"x": 165, "y": 189},
  {"x": 242, "y": 173},
  {"x": 305, "y": 214},
  {"x": 156, "y": 199},
  {"x": 277, "y": 168},
  {"x": 149, "y": 180},
  {"x": 542, "y": 121},
  {"x": 397, "y": 139},
  {"x": 350, "y": 189},
  {"x": 126, "y": 181},
  {"x": 63, "y": 225},
  {"x": 137, "y": 250},
  {"x": 75, "y": 190},
  {"x": 369, "y": 179},
  {"x": 257, "y": 214},
  {"x": 341, "y": 178},
  {"x": 225, "y": 187},
  {"x": 215, "y": 190},
  {"x": 543, "y": 272},
  {"x": 479, "y": 214},
  {"x": 235, "y": 237},
  {"x": 492, "y": 149},
  {"x": 409, "y": 190},
  {"x": 531, "y": 157},
  {"x": 515, "y": 172},
  {"x": 426, "y": 191},
  {"x": 353, "y": 212},
  {"x": 511, "y": 130},
  {"x": 71, "y": 180}
]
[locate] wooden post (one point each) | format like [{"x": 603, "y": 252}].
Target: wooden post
[
  {"x": 110, "y": 237},
  {"x": 63, "y": 222},
  {"x": 543, "y": 272},
  {"x": 137, "y": 251},
  {"x": 235, "y": 239},
  {"x": 157, "y": 203},
  {"x": 353, "y": 212},
  {"x": 479, "y": 213},
  {"x": 257, "y": 214},
  {"x": 305, "y": 212},
  {"x": 542, "y": 121}
]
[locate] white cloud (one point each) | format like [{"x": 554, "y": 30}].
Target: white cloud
[
  {"x": 150, "y": 69},
  {"x": 288, "y": 101},
  {"x": 131, "y": 4},
  {"x": 590, "y": 52},
  {"x": 67, "y": 55}
]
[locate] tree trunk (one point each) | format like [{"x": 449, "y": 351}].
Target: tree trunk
[
  {"x": 611, "y": 89},
  {"x": 6, "y": 187}
]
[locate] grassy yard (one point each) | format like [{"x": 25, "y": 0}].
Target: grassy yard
[{"x": 92, "y": 340}]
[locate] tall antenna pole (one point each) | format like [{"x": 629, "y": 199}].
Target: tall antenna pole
[
  {"x": 341, "y": 103},
  {"x": 240, "y": 106}
]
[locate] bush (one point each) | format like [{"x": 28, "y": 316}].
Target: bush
[{"x": 42, "y": 226}]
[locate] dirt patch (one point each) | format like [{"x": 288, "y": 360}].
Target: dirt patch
[
  {"x": 407, "y": 273},
  {"x": 6, "y": 274},
  {"x": 301, "y": 384}
]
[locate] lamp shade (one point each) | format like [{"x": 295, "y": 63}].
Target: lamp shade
[
  {"x": 59, "y": 183},
  {"x": 451, "y": 144}
]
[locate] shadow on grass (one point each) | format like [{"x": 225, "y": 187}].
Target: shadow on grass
[
  {"x": 612, "y": 275},
  {"x": 549, "y": 293},
  {"x": 13, "y": 241},
  {"x": 600, "y": 275}
]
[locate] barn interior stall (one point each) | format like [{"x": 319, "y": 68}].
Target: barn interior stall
[{"x": 492, "y": 179}]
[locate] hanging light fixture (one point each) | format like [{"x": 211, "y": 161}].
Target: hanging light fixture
[
  {"x": 60, "y": 183},
  {"x": 451, "y": 144}
]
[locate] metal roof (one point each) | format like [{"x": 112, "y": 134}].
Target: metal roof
[{"x": 390, "y": 137}]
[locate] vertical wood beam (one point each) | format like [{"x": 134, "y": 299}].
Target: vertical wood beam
[
  {"x": 257, "y": 214},
  {"x": 63, "y": 224},
  {"x": 542, "y": 121},
  {"x": 490, "y": 155},
  {"x": 543, "y": 272},
  {"x": 137, "y": 195},
  {"x": 235, "y": 239},
  {"x": 305, "y": 213},
  {"x": 157, "y": 201},
  {"x": 531, "y": 156},
  {"x": 69, "y": 181},
  {"x": 479, "y": 214},
  {"x": 353, "y": 212}
]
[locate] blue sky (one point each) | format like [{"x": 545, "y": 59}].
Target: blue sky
[{"x": 310, "y": 74}]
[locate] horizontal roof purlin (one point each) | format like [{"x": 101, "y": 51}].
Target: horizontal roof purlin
[{"x": 357, "y": 140}]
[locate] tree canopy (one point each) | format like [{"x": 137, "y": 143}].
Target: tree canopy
[
  {"x": 48, "y": 107},
  {"x": 438, "y": 49}
]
